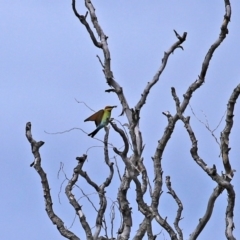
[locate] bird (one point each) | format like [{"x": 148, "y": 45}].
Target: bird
[{"x": 101, "y": 119}]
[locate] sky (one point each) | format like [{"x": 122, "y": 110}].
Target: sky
[{"x": 48, "y": 66}]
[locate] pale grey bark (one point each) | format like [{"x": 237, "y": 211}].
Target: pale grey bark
[
  {"x": 136, "y": 170},
  {"x": 45, "y": 186}
]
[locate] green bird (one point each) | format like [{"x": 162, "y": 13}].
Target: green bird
[{"x": 101, "y": 119}]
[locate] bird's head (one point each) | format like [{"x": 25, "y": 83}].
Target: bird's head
[{"x": 109, "y": 107}]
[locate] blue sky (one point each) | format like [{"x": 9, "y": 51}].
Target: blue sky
[{"x": 47, "y": 61}]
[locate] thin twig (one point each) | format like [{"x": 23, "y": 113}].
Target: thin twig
[
  {"x": 118, "y": 171},
  {"x": 85, "y": 105},
  {"x": 207, "y": 124},
  {"x": 86, "y": 196},
  {"x": 69, "y": 130}
]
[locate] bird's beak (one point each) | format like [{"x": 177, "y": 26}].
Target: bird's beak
[{"x": 113, "y": 106}]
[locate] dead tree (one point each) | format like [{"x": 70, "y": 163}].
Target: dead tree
[{"x": 136, "y": 171}]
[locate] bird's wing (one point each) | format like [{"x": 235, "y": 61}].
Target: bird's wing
[{"x": 96, "y": 117}]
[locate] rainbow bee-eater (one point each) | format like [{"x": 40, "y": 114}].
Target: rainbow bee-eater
[{"x": 101, "y": 119}]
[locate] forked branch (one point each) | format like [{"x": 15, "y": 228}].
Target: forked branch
[
  {"x": 156, "y": 77},
  {"x": 212, "y": 172},
  {"x": 104, "y": 46},
  {"x": 201, "y": 78},
  {"x": 220, "y": 180},
  {"x": 181, "y": 108},
  {"x": 45, "y": 186}
]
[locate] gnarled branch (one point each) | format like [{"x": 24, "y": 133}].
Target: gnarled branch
[
  {"x": 227, "y": 130},
  {"x": 46, "y": 189}
]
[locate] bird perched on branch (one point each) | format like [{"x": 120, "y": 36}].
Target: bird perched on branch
[{"x": 101, "y": 119}]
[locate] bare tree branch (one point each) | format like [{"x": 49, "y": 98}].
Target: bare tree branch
[
  {"x": 82, "y": 19},
  {"x": 101, "y": 192},
  {"x": 145, "y": 180},
  {"x": 155, "y": 79},
  {"x": 180, "y": 207},
  {"x": 226, "y": 162},
  {"x": 149, "y": 229},
  {"x": 226, "y": 132},
  {"x": 45, "y": 186},
  {"x": 204, "y": 220},
  {"x": 104, "y": 46},
  {"x": 107, "y": 160},
  {"x": 141, "y": 230},
  {"x": 142, "y": 206},
  {"x": 212, "y": 172},
  {"x": 158, "y": 182},
  {"x": 72, "y": 199},
  {"x": 187, "y": 96},
  {"x": 207, "y": 59},
  {"x": 125, "y": 229},
  {"x": 112, "y": 217},
  {"x": 166, "y": 226},
  {"x": 124, "y": 138},
  {"x": 133, "y": 162},
  {"x": 108, "y": 73}
]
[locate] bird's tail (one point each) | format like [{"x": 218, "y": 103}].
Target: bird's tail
[{"x": 92, "y": 134}]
